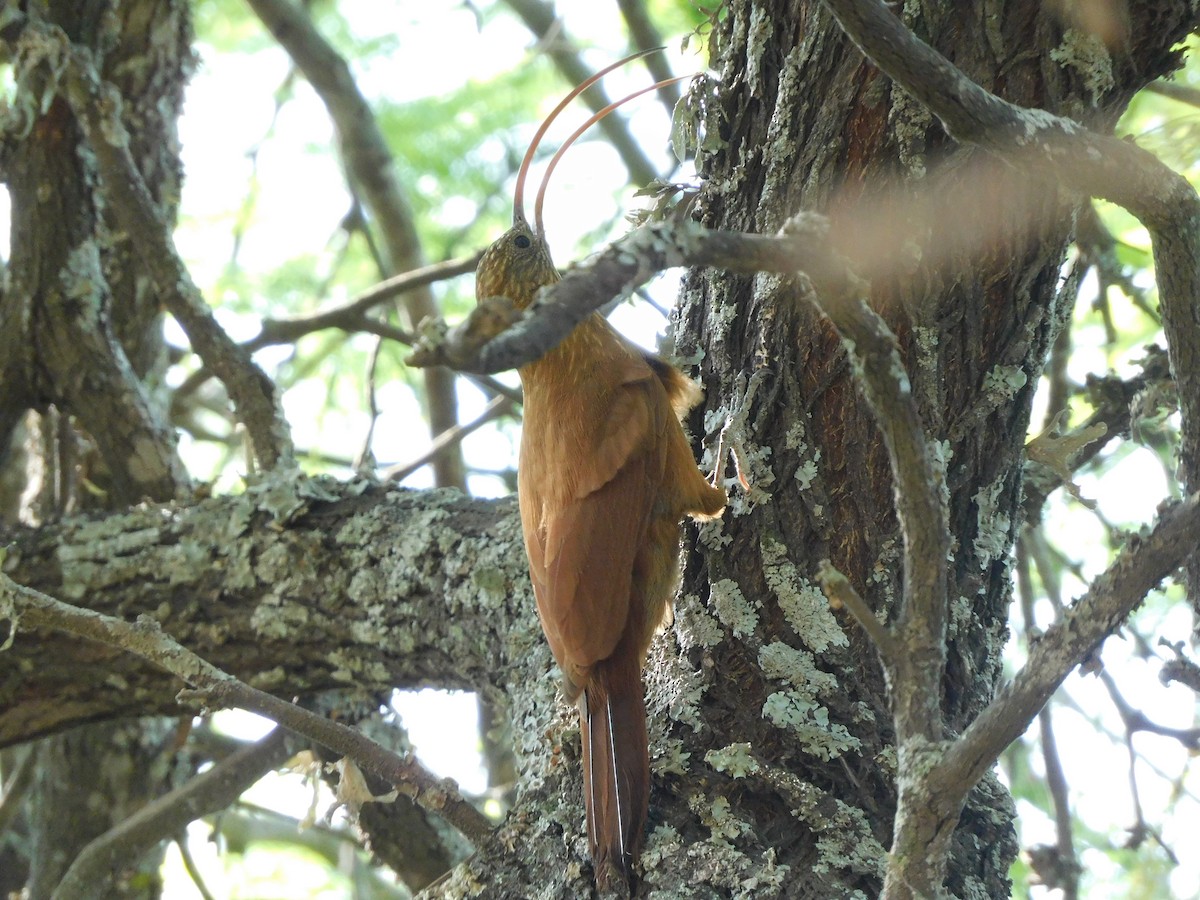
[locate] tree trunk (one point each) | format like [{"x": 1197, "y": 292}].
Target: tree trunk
[
  {"x": 84, "y": 349},
  {"x": 964, "y": 254}
]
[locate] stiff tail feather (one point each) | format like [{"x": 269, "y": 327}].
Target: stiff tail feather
[{"x": 616, "y": 767}]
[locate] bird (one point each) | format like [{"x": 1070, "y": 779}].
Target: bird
[{"x": 604, "y": 478}]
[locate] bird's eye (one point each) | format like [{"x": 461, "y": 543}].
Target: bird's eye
[{"x": 522, "y": 241}]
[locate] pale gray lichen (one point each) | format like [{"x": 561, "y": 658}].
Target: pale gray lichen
[
  {"x": 720, "y": 316},
  {"x": 350, "y": 667},
  {"x": 734, "y": 760},
  {"x": 1039, "y": 120},
  {"x": 884, "y": 574},
  {"x": 99, "y": 554},
  {"x": 806, "y": 472},
  {"x": 862, "y": 713},
  {"x": 275, "y": 617},
  {"x": 779, "y": 150},
  {"x": 845, "y": 840},
  {"x": 720, "y": 820},
  {"x": 694, "y": 627},
  {"x": 782, "y": 662},
  {"x": 732, "y": 608},
  {"x": 186, "y": 561},
  {"x": 269, "y": 680},
  {"x": 1087, "y": 54},
  {"x": 756, "y": 459},
  {"x": 759, "y": 37},
  {"x": 926, "y": 341},
  {"x": 796, "y": 439},
  {"x": 941, "y": 453},
  {"x": 803, "y": 604},
  {"x": 791, "y": 711},
  {"x": 769, "y": 878},
  {"x": 661, "y": 843},
  {"x": 993, "y": 525},
  {"x": 849, "y": 844},
  {"x": 1005, "y": 381},
  {"x": 887, "y": 759},
  {"x": 671, "y": 758},
  {"x": 278, "y": 494},
  {"x": 961, "y": 611},
  {"x": 673, "y": 686},
  {"x": 81, "y": 276},
  {"x": 712, "y": 535},
  {"x": 715, "y": 419}
]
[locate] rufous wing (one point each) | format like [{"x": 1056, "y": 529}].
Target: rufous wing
[{"x": 589, "y": 541}]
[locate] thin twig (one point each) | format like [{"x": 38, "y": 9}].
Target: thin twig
[
  {"x": 189, "y": 866},
  {"x": 496, "y": 407},
  {"x": 1135, "y": 720},
  {"x": 91, "y": 873},
  {"x": 350, "y": 316},
  {"x": 1066, "y": 868},
  {"x": 371, "y": 173},
  {"x": 366, "y": 458},
  {"x": 839, "y": 590},
  {"x": 542, "y": 19}
]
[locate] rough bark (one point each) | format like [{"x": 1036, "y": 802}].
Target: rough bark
[
  {"x": 293, "y": 587},
  {"x": 83, "y": 348},
  {"x": 963, "y": 256}
]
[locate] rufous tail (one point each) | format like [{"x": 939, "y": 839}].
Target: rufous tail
[{"x": 616, "y": 766}]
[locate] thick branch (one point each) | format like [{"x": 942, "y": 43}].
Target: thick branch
[
  {"x": 920, "y": 627},
  {"x": 479, "y": 346},
  {"x": 315, "y": 585}
]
